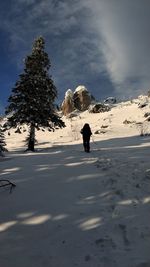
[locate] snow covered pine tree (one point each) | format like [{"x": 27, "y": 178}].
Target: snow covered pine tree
[{"x": 32, "y": 98}]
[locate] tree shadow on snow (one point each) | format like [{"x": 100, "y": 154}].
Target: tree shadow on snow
[{"x": 72, "y": 208}]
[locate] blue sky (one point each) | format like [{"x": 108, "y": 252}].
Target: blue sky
[{"x": 102, "y": 44}]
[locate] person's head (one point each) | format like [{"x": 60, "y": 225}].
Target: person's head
[{"x": 86, "y": 125}]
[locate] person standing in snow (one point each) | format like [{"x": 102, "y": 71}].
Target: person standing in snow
[{"x": 86, "y": 134}]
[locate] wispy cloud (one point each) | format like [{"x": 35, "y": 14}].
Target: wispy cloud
[
  {"x": 124, "y": 39},
  {"x": 70, "y": 40},
  {"x": 28, "y": 18}
]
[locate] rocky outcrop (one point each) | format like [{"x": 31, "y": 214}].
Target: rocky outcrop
[
  {"x": 110, "y": 100},
  {"x": 99, "y": 107},
  {"x": 80, "y": 100},
  {"x": 68, "y": 104}
]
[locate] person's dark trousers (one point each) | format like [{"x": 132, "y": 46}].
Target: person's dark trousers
[{"x": 86, "y": 144}]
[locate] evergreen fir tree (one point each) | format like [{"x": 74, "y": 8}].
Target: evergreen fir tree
[
  {"x": 32, "y": 98},
  {"x": 2, "y": 141}
]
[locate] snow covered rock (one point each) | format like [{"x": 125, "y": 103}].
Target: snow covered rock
[
  {"x": 99, "y": 107},
  {"x": 68, "y": 104},
  {"x": 82, "y": 98},
  {"x": 110, "y": 100}
]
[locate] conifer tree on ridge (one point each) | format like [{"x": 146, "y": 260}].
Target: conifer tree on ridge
[{"x": 32, "y": 98}]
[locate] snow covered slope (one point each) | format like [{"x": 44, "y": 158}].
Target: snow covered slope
[
  {"x": 124, "y": 119},
  {"x": 72, "y": 208}
]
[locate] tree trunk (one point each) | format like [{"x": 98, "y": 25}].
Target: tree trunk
[{"x": 31, "y": 141}]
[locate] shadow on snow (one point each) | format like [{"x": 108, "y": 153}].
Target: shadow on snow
[{"x": 72, "y": 209}]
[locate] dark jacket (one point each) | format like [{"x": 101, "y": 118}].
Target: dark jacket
[{"x": 86, "y": 131}]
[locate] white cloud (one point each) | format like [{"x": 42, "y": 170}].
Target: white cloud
[{"x": 124, "y": 39}]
